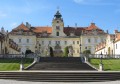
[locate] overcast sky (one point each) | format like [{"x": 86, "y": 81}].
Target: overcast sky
[{"x": 105, "y": 13}]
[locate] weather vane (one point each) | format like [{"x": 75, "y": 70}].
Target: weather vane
[{"x": 58, "y": 8}]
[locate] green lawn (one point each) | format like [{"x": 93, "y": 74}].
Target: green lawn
[
  {"x": 13, "y": 64},
  {"x": 109, "y": 64}
]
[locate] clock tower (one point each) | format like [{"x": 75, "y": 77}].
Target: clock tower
[{"x": 58, "y": 25}]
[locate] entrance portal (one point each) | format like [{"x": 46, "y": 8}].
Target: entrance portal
[{"x": 57, "y": 51}]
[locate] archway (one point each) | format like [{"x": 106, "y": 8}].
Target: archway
[{"x": 57, "y": 51}]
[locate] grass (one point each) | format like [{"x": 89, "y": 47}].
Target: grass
[
  {"x": 13, "y": 64},
  {"x": 109, "y": 64}
]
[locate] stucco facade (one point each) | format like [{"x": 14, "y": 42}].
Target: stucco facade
[{"x": 57, "y": 37}]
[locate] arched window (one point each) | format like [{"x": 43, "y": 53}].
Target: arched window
[{"x": 57, "y": 33}]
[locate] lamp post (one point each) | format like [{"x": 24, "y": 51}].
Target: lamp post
[
  {"x": 101, "y": 58},
  {"x": 39, "y": 48},
  {"x": 21, "y": 64},
  {"x": 101, "y": 64},
  {"x": 80, "y": 49},
  {"x": 36, "y": 49}
]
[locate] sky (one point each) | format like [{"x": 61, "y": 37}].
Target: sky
[{"x": 104, "y": 13}]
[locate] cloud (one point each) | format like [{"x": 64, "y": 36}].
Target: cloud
[{"x": 92, "y": 2}]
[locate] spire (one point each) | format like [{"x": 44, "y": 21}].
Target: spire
[{"x": 2, "y": 30}]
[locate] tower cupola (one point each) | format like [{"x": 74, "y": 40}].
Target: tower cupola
[{"x": 58, "y": 15}]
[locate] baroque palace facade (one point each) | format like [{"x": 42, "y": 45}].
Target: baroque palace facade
[{"x": 40, "y": 39}]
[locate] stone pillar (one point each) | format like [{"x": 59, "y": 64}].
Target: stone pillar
[
  {"x": 36, "y": 59},
  {"x": 86, "y": 59},
  {"x": 21, "y": 67},
  {"x": 100, "y": 67}
]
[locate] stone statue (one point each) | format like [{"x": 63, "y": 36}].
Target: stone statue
[{"x": 70, "y": 49}]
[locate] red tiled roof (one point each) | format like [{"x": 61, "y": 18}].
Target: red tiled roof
[
  {"x": 117, "y": 37},
  {"x": 21, "y": 27},
  {"x": 77, "y": 31},
  {"x": 92, "y": 26},
  {"x": 42, "y": 29},
  {"x": 67, "y": 30}
]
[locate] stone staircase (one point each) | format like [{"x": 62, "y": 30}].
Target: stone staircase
[
  {"x": 58, "y": 69},
  {"x": 54, "y": 76},
  {"x": 60, "y": 63}
]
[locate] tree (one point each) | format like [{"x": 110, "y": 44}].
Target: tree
[
  {"x": 51, "y": 52},
  {"x": 87, "y": 52},
  {"x": 66, "y": 51}
]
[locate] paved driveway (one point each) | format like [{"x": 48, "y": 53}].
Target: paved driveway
[{"x": 25, "y": 82}]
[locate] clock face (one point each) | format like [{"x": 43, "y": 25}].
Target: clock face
[{"x": 57, "y": 27}]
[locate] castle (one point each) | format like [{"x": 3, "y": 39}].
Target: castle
[{"x": 58, "y": 37}]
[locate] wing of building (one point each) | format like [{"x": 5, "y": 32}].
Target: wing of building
[
  {"x": 7, "y": 46},
  {"x": 40, "y": 39},
  {"x": 110, "y": 46}
]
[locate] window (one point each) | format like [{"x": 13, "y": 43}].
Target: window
[
  {"x": 65, "y": 42},
  {"x": 116, "y": 46},
  {"x": 37, "y": 42},
  {"x": 77, "y": 42},
  {"x": 27, "y": 40},
  {"x": 49, "y": 42},
  {"x": 19, "y": 40},
  {"x": 43, "y": 42},
  {"x": 57, "y": 33},
  {"x": 57, "y": 42},
  {"x": 58, "y": 27},
  {"x": 88, "y": 40},
  {"x": 73, "y": 42},
  {"x": 96, "y": 40}
]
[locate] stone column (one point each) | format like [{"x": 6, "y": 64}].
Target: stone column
[
  {"x": 100, "y": 67},
  {"x": 21, "y": 67}
]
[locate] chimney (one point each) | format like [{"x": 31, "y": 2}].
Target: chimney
[
  {"x": 116, "y": 31},
  {"x": 92, "y": 23},
  {"x": 75, "y": 25},
  {"x": 28, "y": 25},
  {"x": 107, "y": 32}
]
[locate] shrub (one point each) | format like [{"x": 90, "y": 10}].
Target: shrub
[{"x": 87, "y": 52}]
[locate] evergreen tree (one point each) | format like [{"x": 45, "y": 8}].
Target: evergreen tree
[
  {"x": 66, "y": 51},
  {"x": 51, "y": 52}
]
